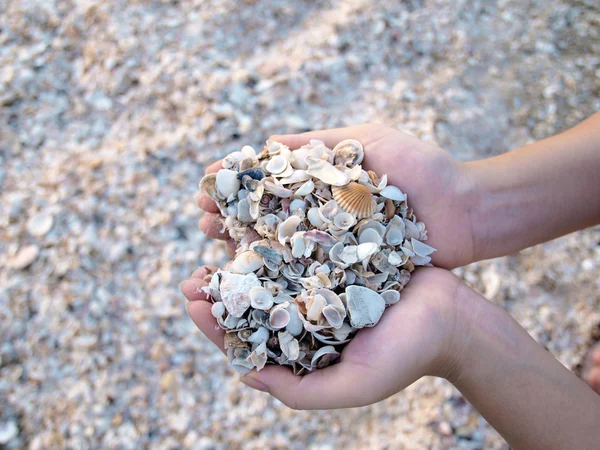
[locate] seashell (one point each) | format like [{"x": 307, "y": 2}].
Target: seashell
[
  {"x": 393, "y": 193},
  {"x": 395, "y": 231},
  {"x": 275, "y": 189},
  {"x": 298, "y": 158},
  {"x": 217, "y": 309},
  {"x": 260, "y": 298},
  {"x": 207, "y": 185},
  {"x": 418, "y": 260},
  {"x": 297, "y": 204},
  {"x": 412, "y": 231},
  {"x": 227, "y": 182},
  {"x": 234, "y": 291},
  {"x": 306, "y": 189},
  {"x": 344, "y": 220},
  {"x": 259, "y": 336},
  {"x": 243, "y": 211},
  {"x": 349, "y": 254},
  {"x": 370, "y": 235},
  {"x": 354, "y": 173},
  {"x": 297, "y": 176},
  {"x": 287, "y": 228},
  {"x": 289, "y": 345},
  {"x": 231, "y": 340},
  {"x": 238, "y": 359},
  {"x": 333, "y": 316},
  {"x": 295, "y": 325},
  {"x": 315, "y": 218},
  {"x": 376, "y": 185},
  {"x": 390, "y": 209},
  {"x": 246, "y": 262},
  {"x": 366, "y": 250},
  {"x": 277, "y": 164},
  {"x": 348, "y": 153},
  {"x": 254, "y": 173},
  {"x": 324, "y": 357},
  {"x": 279, "y": 317},
  {"x": 365, "y": 306},
  {"x": 314, "y": 307},
  {"x": 328, "y": 211},
  {"x": 258, "y": 357},
  {"x": 326, "y": 172},
  {"x": 335, "y": 255},
  {"x": 420, "y": 248},
  {"x": 391, "y": 297},
  {"x": 355, "y": 199}
]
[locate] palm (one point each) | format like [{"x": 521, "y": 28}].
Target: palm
[{"x": 433, "y": 182}]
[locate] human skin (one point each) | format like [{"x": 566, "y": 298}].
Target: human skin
[
  {"x": 481, "y": 209},
  {"x": 449, "y": 331}
]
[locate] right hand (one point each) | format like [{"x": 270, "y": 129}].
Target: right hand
[{"x": 438, "y": 187}]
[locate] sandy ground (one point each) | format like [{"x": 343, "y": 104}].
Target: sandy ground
[{"x": 109, "y": 112}]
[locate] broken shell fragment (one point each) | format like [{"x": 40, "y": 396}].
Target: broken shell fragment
[
  {"x": 322, "y": 248},
  {"x": 365, "y": 306}
]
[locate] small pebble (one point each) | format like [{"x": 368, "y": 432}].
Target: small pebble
[
  {"x": 24, "y": 257},
  {"x": 40, "y": 224}
]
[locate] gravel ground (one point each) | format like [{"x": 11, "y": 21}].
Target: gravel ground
[{"x": 109, "y": 112}]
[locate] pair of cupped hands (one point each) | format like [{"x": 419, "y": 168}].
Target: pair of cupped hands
[{"x": 426, "y": 332}]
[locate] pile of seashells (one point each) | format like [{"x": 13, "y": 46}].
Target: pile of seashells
[{"x": 323, "y": 247}]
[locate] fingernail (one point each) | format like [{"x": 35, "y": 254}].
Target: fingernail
[
  {"x": 181, "y": 284},
  {"x": 249, "y": 381}
]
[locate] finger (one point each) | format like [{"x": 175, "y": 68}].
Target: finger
[
  {"x": 202, "y": 271},
  {"x": 192, "y": 289},
  {"x": 596, "y": 355},
  {"x": 207, "y": 204},
  {"x": 365, "y": 133},
  {"x": 214, "y": 167},
  {"x": 200, "y": 314},
  {"x": 337, "y": 386},
  {"x": 212, "y": 225}
]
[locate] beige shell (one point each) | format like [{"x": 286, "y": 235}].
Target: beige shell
[{"x": 356, "y": 199}]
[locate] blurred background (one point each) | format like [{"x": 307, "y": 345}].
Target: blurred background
[{"x": 109, "y": 112}]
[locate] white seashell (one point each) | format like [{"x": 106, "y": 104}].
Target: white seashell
[
  {"x": 297, "y": 204},
  {"x": 397, "y": 259},
  {"x": 243, "y": 211},
  {"x": 260, "y": 298},
  {"x": 298, "y": 158},
  {"x": 354, "y": 173},
  {"x": 380, "y": 186},
  {"x": 324, "y": 357},
  {"x": 297, "y": 176},
  {"x": 355, "y": 199},
  {"x": 259, "y": 336},
  {"x": 306, "y": 189},
  {"x": 295, "y": 325},
  {"x": 370, "y": 235},
  {"x": 333, "y": 316},
  {"x": 287, "y": 228},
  {"x": 420, "y": 248},
  {"x": 234, "y": 291},
  {"x": 420, "y": 260},
  {"x": 393, "y": 193},
  {"x": 348, "y": 153},
  {"x": 246, "y": 262},
  {"x": 258, "y": 357},
  {"x": 365, "y": 306},
  {"x": 276, "y": 189},
  {"x": 344, "y": 220},
  {"x": 349, "y": 254},
  {"x": 412, "y": 231},
  {"x": 217, "y": 309},
  {"x": 315, "y": 218},
  {"x": 277, "y": 164},
  {"x": 395, "y": 232},
  {"x": 289, "y": 345},
  {"x": 238, "y": 358},
  {"x": 298, "y": 246},
  {"x": 366, "y": 250},
  {"x": 279, "y": 317},
  {"x": 391, "y": 297},
  {"x": 208, "y": 187},
  {"x": 227, "y": 183},
  {"x": 326, "y": 172},
  {"x": 328, "y": 211}
]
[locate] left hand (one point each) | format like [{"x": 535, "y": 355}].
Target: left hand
[{"x": 414, "y": 338}]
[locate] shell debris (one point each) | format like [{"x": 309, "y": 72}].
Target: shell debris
[{"x": 322, "y": 248}]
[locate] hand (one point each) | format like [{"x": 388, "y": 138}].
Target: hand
[
  {"x": 415, "y": 337},
  {"x": 438, "y": 187}
]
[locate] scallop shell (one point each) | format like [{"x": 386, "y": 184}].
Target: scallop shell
[{"x": 356, "y": 199}]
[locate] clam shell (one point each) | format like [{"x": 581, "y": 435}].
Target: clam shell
[
  {"x": 279, "y": 317},
  {"x": 348, "y": 153},
  {"x": 393, "y": 193},
  {"x": 356, "y": 199},
  {"x": 260, "y": 298},
  {"x": 246, "y": 262},
  {"x": 391, "y": 297},
  {"x": 324, "y": 357},
  {"x": 217, "y": 309},
  {"x": 326, "y": 172},
  {"x": 259, "y": 356},
  {"x": 227, "y": 182}
]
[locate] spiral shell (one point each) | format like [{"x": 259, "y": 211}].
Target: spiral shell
[{"x": 356, "y": 199}]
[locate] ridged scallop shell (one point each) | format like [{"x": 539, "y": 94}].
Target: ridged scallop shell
[{"x": 356, "y": 199}]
